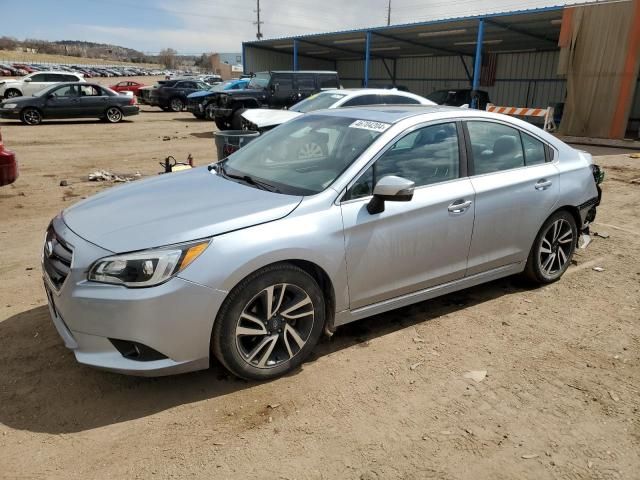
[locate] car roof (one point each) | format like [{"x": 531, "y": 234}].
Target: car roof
[
  {"x": 331, "y": 72},
  {"x": 387, "y": 113},
  {"x": 59, "y": 72}
]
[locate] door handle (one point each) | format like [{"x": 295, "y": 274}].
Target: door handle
[
  {"x": 459, "y": 206},
  {"x": 543, "y": 184}
]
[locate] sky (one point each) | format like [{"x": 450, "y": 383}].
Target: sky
[{"x": 197, "y": 26}]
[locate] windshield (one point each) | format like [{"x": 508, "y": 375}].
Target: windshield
[
  {"x": 261, "y": 80},
  {"x": 317, "y": 102},
  {"x": 306, "y": 155}
]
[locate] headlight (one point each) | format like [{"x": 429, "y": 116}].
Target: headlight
[
  {"x": 10, "y": 105},
  {"x": 147, "y": 268}
]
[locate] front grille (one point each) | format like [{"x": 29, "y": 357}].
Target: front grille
[{"x": 57, "y": 258}]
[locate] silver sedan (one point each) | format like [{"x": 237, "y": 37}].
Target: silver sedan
[{"x": 250, "y": 260}]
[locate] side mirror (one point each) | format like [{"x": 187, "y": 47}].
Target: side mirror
[
  {"x": 51, "y": 96},
  {"x": 390, "y": 189},
  {"x": 275, "y": 87},
  {"x": 27, "y": 80}
]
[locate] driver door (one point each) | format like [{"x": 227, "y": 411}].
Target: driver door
[
  {"x": 411, "y": 245},
  {"x": 63, "y": 102}
]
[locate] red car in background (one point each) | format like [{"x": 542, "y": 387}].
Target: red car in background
[
  {"x": 127, "y": 86},
  {"x": 8, "y": 165}
]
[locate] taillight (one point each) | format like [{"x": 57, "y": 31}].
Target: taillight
[
  {"x": 133, "y": 100},
  {"x": 598, "y": 173}
]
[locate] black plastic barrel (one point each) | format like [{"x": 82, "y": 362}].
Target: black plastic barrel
[{"x": 229, "y": 141}]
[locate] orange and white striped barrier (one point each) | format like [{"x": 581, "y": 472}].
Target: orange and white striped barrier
[{"x": 547, "y": 113}]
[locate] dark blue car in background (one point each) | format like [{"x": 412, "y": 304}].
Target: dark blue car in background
[{"x": 201, "y": 104}]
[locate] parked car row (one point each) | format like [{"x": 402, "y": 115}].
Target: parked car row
[{"x": 20, "y": 69}]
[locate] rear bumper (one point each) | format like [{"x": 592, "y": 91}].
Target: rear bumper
[{"x": 130, "y": 110}]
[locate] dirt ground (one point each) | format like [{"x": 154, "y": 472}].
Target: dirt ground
[{"x": 385, "y": 398}]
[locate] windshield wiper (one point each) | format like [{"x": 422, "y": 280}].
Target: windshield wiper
[{"x": 247, "y": 179}]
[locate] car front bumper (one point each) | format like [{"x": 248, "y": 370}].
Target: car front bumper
[
  {"x": 172, "y": 320},
  {"x": 12, "y": 114}
]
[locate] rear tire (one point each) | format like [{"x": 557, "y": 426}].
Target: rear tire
[
  {"x": 12, "y": 93},
  {"x": 257, "y": 344},
  {"x": 113, "y": 115},
  {"x": 31, "y": 116},
  {"x": 553, "y": 249},
  {"x": 176, "y": 104}
]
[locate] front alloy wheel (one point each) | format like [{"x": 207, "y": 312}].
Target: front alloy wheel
[
  {"x": 553, "y": 248},
  {"x": 269, "y": 323},
  {"x": 31, "y": 116}
]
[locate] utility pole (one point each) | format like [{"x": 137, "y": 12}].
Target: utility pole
[
  {"x": 258, "y": 22},
  {"x": 389, "y": 14}
]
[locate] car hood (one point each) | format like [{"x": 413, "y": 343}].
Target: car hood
[
  {"x": 202, "y": 93},
  {"x": 173, "y": 208},
  {"x": 262, "y": 117}
]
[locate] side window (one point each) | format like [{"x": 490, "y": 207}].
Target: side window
[
  {"x": 40, "y": 77},
  {"x": 66, "y": 91},
  {"x": 53, "y": 77},
  {"x": 496, "y": 147},
  {"x": 426, "y": 156},
  {"x": 399, "y": 100},
  {"x": 285, "y": 82},
  {"x": 328, "y": 81},
  {"x": 533, "y": 150},
  {"x": 362, "y": 100},
  {"x": 306, "y": 82},
  {"x": 69, "y": 78},
  {"x": 90, "y": 91}
]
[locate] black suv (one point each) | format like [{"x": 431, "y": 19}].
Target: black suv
[
  {"x": 172, "y": 94},
  {"x": 458, "y": 97},
  {"x": 277, "y": 89}
]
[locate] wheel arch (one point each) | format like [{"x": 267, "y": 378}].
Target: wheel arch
[{"x": 318, "y": 273}]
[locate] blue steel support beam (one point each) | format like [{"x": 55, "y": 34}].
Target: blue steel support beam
[
  {"x": 477, "y": 65},
  {"x": 367, "y": 54},
  {"x": 244, "y": 58},
  {"x": 295, "y": 55}
]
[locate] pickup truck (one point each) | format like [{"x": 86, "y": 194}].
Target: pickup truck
[{"x": 274, "y": 89}]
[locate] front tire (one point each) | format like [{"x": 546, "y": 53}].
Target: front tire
[
  {"x": 269, "y": 323},
  {"x": 31, "y": 116},
  {"x": 113, "y": 115},
  {"x": 552, "y": 249}
]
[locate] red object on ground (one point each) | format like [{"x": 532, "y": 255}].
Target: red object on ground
[
  {"x": 8, "y": 165},
  {"x": 127, "y": 86}
]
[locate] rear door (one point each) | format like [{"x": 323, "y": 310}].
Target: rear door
[
  {"x": 305, "y": 84},
  {"x": 517, "y": 188},
  {"x": 93, "y": 101},
  {"x": 411, "y": 245}
]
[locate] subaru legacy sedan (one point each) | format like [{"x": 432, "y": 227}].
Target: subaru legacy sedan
[{"x": 251, "y": 259}]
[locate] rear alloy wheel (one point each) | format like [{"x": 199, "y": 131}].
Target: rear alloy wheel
[
  {"x": 553, "y": 248},
  {"x": 176, "y": 104},
  {"x": 31, "y": 116},
  {"x": 113, "y": 115},
  {"x": 269, "y": 323},
  {"x": 12, "y": 93}
]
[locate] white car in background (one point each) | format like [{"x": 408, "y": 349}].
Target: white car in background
[
  {"x": 261, "y": 119},
  {"x": 34, "y": 82}
]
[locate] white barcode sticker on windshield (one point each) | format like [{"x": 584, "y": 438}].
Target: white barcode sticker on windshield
[{"x": 369, "y": 125}]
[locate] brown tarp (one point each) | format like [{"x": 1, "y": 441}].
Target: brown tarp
[{"x": 599, "y": 55}]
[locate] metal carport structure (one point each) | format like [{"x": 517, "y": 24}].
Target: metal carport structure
[{"x": 513, "y": 55}]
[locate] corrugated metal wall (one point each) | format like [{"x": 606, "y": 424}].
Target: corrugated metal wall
[
  {"x": 522, "y": 79},
  {"x": 259, "y": 60}
]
